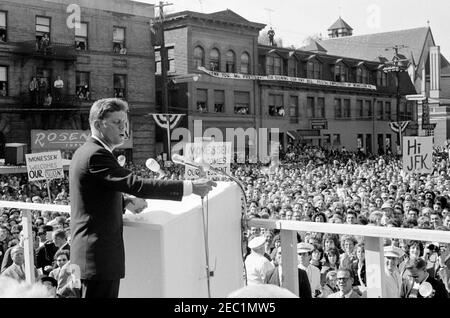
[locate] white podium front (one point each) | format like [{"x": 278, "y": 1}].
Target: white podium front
[{"x": 165, "y": 248}]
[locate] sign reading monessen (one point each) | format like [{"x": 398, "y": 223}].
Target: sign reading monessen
[
  {"x": 44, "y": 166},
  {"x": 287, "y": 79}
]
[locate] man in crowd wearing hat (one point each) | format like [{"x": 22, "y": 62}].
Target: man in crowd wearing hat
[
  {"x": 304, "y": 251},
  {"x": 416, "y": 270},
  {"x": 393, "y": 278},
  {"x": 257, "y": 266},
  {"x": 275, "y": 277},
  {"x": 345, "y": 284}
]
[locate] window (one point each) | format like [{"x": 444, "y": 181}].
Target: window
[
  {"x": 3, "y": 28},
  {"x": 170, "y": 59},
  {"x": 3, "y": 81},
  {"x": 309, "y": 107},
  {"x": 379, "y": 111},
  {"x": 119, "y": 45},
  {"x": 120, "y": 84},
  {"x": 293, "y": 108},
  {"x": 202, "y": 100},
  {"x": 82, "y": 86},
  {"x": 214, "y": 60},
  {"x": 219, "y": 101},
  {"x": 347, "y": 108},
  {"x": 368, "y": 109},
  {"x": 360, "y": 141},
  {"x": 231, "y": 62},
  {"x": 199, "y": 57},
  {"x": 292, "y": 67},
  {"x": 362, "y": 76},
  {"x": 360, "y": 109},
  {"x": 314, "y": 70},
  {"x": 273, "y": 65},
  {"x": 340, "y": 73},
  {"x": 245, "y": 63},
  {"x": 276, "y": 105},
  {"x": 337, "y": 108},
  {"x": 242, "y": 103},
  {"x": 387, "y": 111},
  {"x": 381, "y": 78},
  {"x": 42, "y": 33},
  {"x": 402, "y": 114},
  {"x": 320, "y": 110},
  {"x": 81, "y": 37},
  {"x": 409, "y": 110}
]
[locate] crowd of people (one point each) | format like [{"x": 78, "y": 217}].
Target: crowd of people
[
  {"x": 308, "y": 184},
  {"x": 318, "y": 185}
]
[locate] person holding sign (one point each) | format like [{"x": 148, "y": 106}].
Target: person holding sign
[{"x": 97, "y": 184}]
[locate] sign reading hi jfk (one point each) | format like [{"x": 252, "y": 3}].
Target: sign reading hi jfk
[
  {"x": 44, "y": 166},
  {"x": 418, "y": 154}
]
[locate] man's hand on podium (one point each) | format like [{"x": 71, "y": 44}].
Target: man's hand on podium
[
  {"x": 135, "y": 205},
  {"x": 202, "y": 187}
]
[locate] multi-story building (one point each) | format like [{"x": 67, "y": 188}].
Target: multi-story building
[
  {"x": 109, "y": 54},
  {"x": 427, "y": 67},
  {"x": 221, "y": 75}
]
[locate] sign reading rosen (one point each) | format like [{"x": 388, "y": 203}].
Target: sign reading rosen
[
  {"x": 215, "y": 154},
  {"x": 63, "y": 139},
  {"x": 44, "y": 166},
  {"x": 418, "y": 154},
  {"x": 287, "y": 79}
]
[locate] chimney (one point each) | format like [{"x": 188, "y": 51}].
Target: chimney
[{"x": 435, "y": 72}]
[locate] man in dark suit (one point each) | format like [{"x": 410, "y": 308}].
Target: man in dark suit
[
  {"x": 97, "y": 184},
  {"x": 275, "y": 277}
]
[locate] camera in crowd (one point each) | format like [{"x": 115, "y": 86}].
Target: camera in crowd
[{"x": 433, "y": 248}]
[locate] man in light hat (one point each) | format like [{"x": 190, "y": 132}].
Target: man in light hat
[
  {"x": 393, "y": 278},
  {"x": 257, "y": 266},
  {"x": 304, "y": 251}
]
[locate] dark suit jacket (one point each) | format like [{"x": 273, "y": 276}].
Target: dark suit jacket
[
  {"x": 45, "y": 254},
  {"x": 97, "y": 182},
  {"x": 273, "y": 278}
]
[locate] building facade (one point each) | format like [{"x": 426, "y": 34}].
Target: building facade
[{"x": 109, "y": 54}]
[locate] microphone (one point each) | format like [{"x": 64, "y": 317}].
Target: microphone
[
  {"x": 154, "y": 166},
  {"x": 122, "y": 160}
]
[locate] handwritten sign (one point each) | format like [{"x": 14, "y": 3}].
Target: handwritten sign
[
  {"x": 215, "y": 154},
  {"x": 44, "y": 166},
  {"x": 418, "y": 154}
]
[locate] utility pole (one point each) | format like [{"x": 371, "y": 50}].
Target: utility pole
[
  {"x": 164, "y": 69},
  {"x": 396, "y": 67}
]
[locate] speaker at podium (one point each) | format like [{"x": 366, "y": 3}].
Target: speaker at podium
[{"x": 165, "y": 247}]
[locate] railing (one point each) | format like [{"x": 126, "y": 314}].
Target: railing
[
  {"x": 65, "y": 101},
  {"x": 373, "y": 240},
  {"x": 63, "y": 51}
]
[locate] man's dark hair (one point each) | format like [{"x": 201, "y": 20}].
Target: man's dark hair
[
  {"x": 101, "y": 108},
  {"x": 49, "y": 279},
  {"x": 417, "y": 263}
]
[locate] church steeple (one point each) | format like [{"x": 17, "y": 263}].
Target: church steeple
[{"x": 339, "y": 29}]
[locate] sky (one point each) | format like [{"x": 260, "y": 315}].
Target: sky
[{"x": 295, "y": 20}]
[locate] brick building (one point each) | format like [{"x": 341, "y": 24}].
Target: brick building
[
  {"x": 221, "y": 75},
  {"x": 109, "y": 55}
]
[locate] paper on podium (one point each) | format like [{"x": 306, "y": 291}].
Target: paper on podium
[{"x": 165, "y": 247}]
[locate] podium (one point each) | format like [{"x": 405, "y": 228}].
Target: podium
[{"x": 165, "y": 247}]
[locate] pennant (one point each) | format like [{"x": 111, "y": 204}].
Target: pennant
[
  {"x": 399, "y": 127},
  {"x": 161, "y": 120}
]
